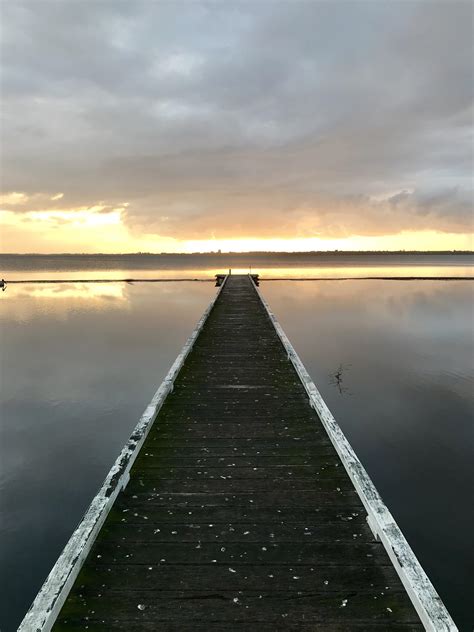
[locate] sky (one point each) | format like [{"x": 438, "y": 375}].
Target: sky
[{"x": 268, "y": 125}]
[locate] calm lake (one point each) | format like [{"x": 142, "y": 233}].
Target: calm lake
[{"x": 80, "y": 361}]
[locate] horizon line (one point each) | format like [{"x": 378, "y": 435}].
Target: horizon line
[{"x": 236, "y": 252}]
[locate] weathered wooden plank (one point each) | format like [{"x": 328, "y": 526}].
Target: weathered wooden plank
[
  {"x": 228, "y": 485},
  {"x": 145, "y": 511},
  {"x": 284, "y": 461},
  {"x": 248, "y": 445},
  {"x": 92, "y": 623},
  {"x": 227, "y": 417},
  {"x": 238, "y": 447},
  {"x": 201, "y": 605},
  {"x": 245, "y": 498},
  {"x": 264, "y": 577},
  {"x": 153, "y": 468},
  {"x": 341, "y": 554},
  {"x": 130, "y": 531}
]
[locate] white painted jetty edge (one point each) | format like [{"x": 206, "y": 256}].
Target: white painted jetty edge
[
  {"x": 48, "y": 603},
  {"x": 425, "y": 599}
]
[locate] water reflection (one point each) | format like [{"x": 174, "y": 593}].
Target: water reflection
[
  {"x": 83, "y": 291},
  {"x": 80, "y": 361},
  {"x": 307, "y": 272},
  {"x": 350, "y": 271},
  {"x": 408, "y": 410},
  {"x": 268, "y": 265},
  {"x": 78, "y": 365}
]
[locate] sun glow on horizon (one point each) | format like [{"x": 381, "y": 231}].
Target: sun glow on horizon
[
  {"x": 406, "y": 240},
  {"x": 101, "y": 228}
]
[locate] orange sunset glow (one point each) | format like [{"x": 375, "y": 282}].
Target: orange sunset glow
[{"x": 89, "y": 230}]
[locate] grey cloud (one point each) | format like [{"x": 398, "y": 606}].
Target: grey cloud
[{"x": 254, "y": 118}]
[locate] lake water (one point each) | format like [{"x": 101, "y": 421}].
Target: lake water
[
  {"x": 295, "y": 265},
  {"x": 79, "y": 363}
]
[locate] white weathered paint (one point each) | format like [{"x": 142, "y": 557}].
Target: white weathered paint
[
  {"x": 427, "y": 602},
  {"x": 52, "y": 595}
]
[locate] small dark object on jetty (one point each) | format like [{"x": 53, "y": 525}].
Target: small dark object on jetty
[{"x": 220, "y": 279}]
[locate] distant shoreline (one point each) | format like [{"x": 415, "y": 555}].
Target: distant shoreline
[
  {"x": 230, "y": 260},
  {"x": 243, "y": 254},
  {"x": 262, "y": 279}
]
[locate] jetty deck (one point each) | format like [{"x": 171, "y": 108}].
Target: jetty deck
[{"x": 238, "y": 513}]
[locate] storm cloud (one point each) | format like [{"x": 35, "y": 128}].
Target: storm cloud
[{"x": 263, "y": 119}]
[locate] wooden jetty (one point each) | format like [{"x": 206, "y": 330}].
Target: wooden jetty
[{"x": 237, "y": 504}]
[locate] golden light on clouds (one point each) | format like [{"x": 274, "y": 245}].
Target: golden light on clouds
[
  {"x": 12, "y": 199},
  {"x": 45, "y": 223},
  {"x": 101, "y": 229},
  {"x": 79, "y": 218},
  {"x": 84, "y": 229}
]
